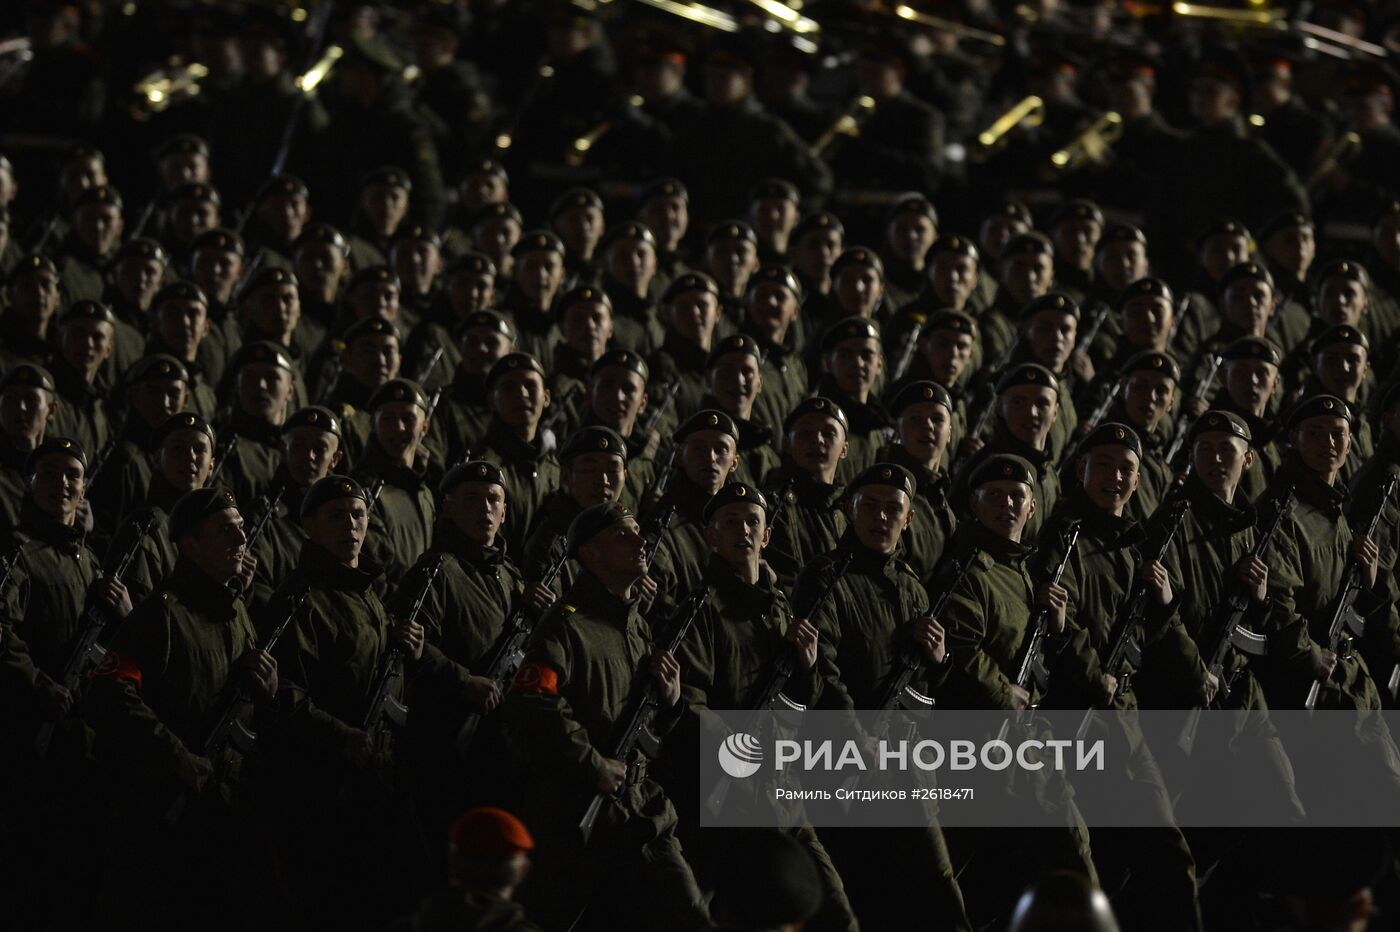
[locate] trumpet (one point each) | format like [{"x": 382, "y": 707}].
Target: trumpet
[
  {"x": 580, "y": 147},
  {"x": 1340, "y": 153},
  {"x": 696, "y": 13},
  {"x": 787, "y": 17},
  {"x": 159, "y": 89},
  {"x": 848, "y": 124},
  {"x": 1030, "y": 112},
  {"x": 306, "y": 83},
  {"x": 1093, "y": 145},
  {"x": 942, "y": 25}
]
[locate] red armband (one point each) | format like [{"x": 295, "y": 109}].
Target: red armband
[{"x": 536, "y": 678}]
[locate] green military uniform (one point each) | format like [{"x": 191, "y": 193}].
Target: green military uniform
[
  {"x": 924, "y": 541},
  {"x": 1381, "y": 641},
  {"x": 401, "y": 522},
  {"x": 684, "y": 548},
  {"x": 253, "y": 461},
  {"x": 530, "y": 473},
  {"x": 277, "y": 549},
  {"x": 145, "y": 535},
  {"x": 784, "y": 383},
  {"x": 546, "y": 542},
  {"x": 82, "y": 409},
  {"x": 1047, "y": 481},
  {"x": 806, "y": 523}
]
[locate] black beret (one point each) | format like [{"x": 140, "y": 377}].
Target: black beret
[
  {"x": 626, "y": 359},
  {"x": 889, "y": 474},
  {"x": 1077, "y": 209},
  {"x": 665, "y": 187},
  {"x": 858, "y": 256},
  {"x": 1153, "y": 361},
  {"x": 949, "y": 319},
  {"x": 1121, "y": 233},
  {"x": 387, "y": 175},
  {"x": 1340, "y": 333},
  {"x": 1287, "y": 220},
  {"x": 185, "y": 420},
  {"x": 51, "y": 445},
  {"x": 1011, "y": 208},
  {"x": 816, "y": 405},
  {"x": 1220, "y": 421},
  {"x": 487, "y": 167},
  {"x": 1054, "y": 301},
  {"x": 852, "y": 328},
  {"x": 573, "y": 199},
  {"x": 734, "y": 343},
  {"x": 494, "y": 212},
  {"x": 1004, "y": 467},
  {"x": 219, "y": 239},
  {"x": 779, "y": 275},
  {"x": 260, "y": 351},
  {"x": 775, "y": 189},
  {"x": 708, "y": 419},
  {"x": 1318, "y": 406},
  {"x": 581, "y": 295},
  {"x": 1253, "y": 348},
  {"x": 730, "y": 230},
  {"x": 141, "y": 248},
  {"x": 1028, "y": 244},
  {"x": 267, "y": 277},
  {"x": 87, "y": 310},
  {"x": 591, "y": 522},
  {"x": 592, "y": 439},
  {"x": 30, "y": 264},
  {"x": 103, "y": 194},
  {"x": 1222, "y": 227},
  {"x": 329, "y": 489},
  {"x": 27, "y": 374},
  {"x": 157, "y": 366},
  {"x": 417, "y": 232},
  {"x": 919, "y": 393},
  {"x": 313, "y": 416},
  {"x": 1149, "y": 286},
  {"x": 196, "y": 191},
  {"x": 473, "y": 471},
  {"x": 1027, "y": 373},
  {"x": 1246, "y": 271},
  {"x": 374, "y": 325},
  {"x": 397, "y": 390},
  {"x": 513, "y": 362},
  {"x": 1112, "y": 433},
  {"x": 373, "y": 275},
  {"x": 1345, "y": 268},
  {"x": 819, "y": 221},
  {"x": 730, "y": 494},
  {"x": 473, "y": 262},
  {"x": 538, "y": 241},
  {"x": 914, "y": 204},
  {"x": 193, "y": 507},
  {"x": 690, "y": 281},
  {"x": 182, "y": 144},
  {"x": 490, "y": 320},
  {"x": 180, "y": 291},
  {"x": 957, "y": 245},
  {"x": 629, "y": 229},
  {"x": 281, "y": 186}
]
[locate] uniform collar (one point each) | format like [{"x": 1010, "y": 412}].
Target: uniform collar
[
  {"x": 375, "y": 463},
  {"x": 811, "y": 492},
  {"x": 1210, "y": 508},
  {"x": 450, "y": 538},
  {"x": 41, "y": 526},
  {"x": 200, "y": 591},
  {"x": 730, "y": 589},
  {"x": 588, "y": 594},
  {"x": 255, "y": 429},
  {"x": 1310, "y": 488},
  {"x": 1099, "y": 523},
  {"x": 326, "y": 572},
  {"x": 999, "y": 548},
  {"x": 688, "y": 356}
]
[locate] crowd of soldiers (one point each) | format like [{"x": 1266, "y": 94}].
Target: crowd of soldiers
[{"x": 389, "y": 402}]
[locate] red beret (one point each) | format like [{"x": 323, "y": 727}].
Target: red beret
[{"x": 487, "y": 832}]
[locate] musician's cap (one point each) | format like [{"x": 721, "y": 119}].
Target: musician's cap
[
  {"x": 330, "y": 489},
  {"x": 398, "y": 390},
  {"x": 1004, "y": 467},
  {"x": 1246, "y": 271},
  {"x": 1340, "y": 334},
  {"x": 708, "y": 419},
  {"x": 1220, "y": 422},
  {"x": 513, "y": 362},
  {"x": 157, "y": 367},
  {"x": 313, "y": 416},
  {"x": 194, "y": 506},
  {"x": 1319, "y": 406},
  {"x": 472, "y": 471},
  {"x": 1110, "y": 434},
  {"x": 734, "y": 343},
  {"x": 690, "y": 281},
  {"x": 1153, "y": 361},
  {"x": 817, "y": 405},
  {"x": 592, "y": 439},
  {"x": 919, "y": 393},
  {"x": 27, "y": 374},
  {"x": 538, "y": 241},
  {"x": 735, "y": 493},
  {"x": 1155, "y": 287},
  {"x": 55, "y": 446},
  {"x": 623, "y": 359},
  {"x": 887, "y": 474},
  {"x": 1054, "y": 301},
  {"x": 859, "y": 255},
  {"x": 593, "y": 521},
  {"x": 1027, "y": 373},
  {"x": 1253, "y": 348}
]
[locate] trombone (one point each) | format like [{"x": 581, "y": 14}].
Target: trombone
[
  {"x": 1315, "y": 37},
  {"x": 949, "y": 26},
  {"x": 1094, "y": 145},
  {"x": 1029, "y": 112},
  {"x": 1339, "y": 154},
  {"x": 175, "y": 83},
  {"x": 848, "y": 124}
]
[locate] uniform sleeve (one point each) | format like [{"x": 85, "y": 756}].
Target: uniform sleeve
[
  {"x": 129, "y": 730},
  {"x": 301, "y": 652},
  {"x": 1077, "y": 674},
  {"x": 1292, "y": 652},
  {"x": 975, "y": 681},
  {"x": 833, "y": 692},
  {"x": 16, "y": 666},
  {"x": 697, "y": 662}
]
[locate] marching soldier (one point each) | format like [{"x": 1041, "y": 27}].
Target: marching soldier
[
  {"x": 733, "y": 381},
  {"x": 516, "y": 393},
  {"x": 731, "y": 258},
  {"x": 706, "y": 456},
  {"x": 1144, "y": 398},
  {"x": 402, "y": 518},
  {"x": 370, "y": 358},
  {"x": 923, "y": 417},
  {"x": 180, "y": 325},
  {"x": 807, "y": 521},
  {"x": 86, "y": 334},
  {"x": 1027, "y": 272},
  {"x": 536, "y": 276},
  {"x": 689, "y": 314},
  {"x": 468, "y": 287},
  {"x": 262, "y": 386},
  {"x": 28, "y": 403},
  {"x": 773, "y": 303},
  {"x": 31, "y": 301},
  {"x": 1048, "y": 329},
  {"x": 854, "y": 364},
  {"x": 216, "y": 268},
  {"x": 629, "y": 277}
]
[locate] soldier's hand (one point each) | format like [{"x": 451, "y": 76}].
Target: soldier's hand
[
  {"x": 613, "y": 777},
  {"x": 1160, "y": 584},
  {"x": 539, "y": 596},
  {"x": 261, "y": 668},
  {"x": 1324, "y": 663},
  {"x": 1368, "y": 557},
  {"x": 646, "y": 593},
  {"x": 1197, "y": 406},
  {"x": 110, "y": 590},
  {"x": 928, "y": 634},
  {"x": 247, "y": 566},
  {"x": 194, "y": 771},
  {"x": 1082, "y": 366},
  {"x": 409, "y": 636},
  {"x": 84, "y": 515},
  {"x": 56, "y": 697},
  {"x": 1254, "y": 573},
  {"x": 1209, "y": 687},
  {"x": 652, "y": 444},
  {"x": 483, "y": 693},
  {"x": 803, "y": 636},
  {"x": 668, "y": 675},
  {"x": 1056, "y": 598},
  {"x": 970, "y": 445},
  {"x": 359, "y": 748},
  {"x": 1020, "y": 699},
  {"x": 1111, "y": 682}
]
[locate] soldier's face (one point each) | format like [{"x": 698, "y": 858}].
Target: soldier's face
[
  {"x": 496, "y": 238},
  {"x": 738, "y": 533},
  {"x": 731, "y": 262},
  {"x": 182, "y": 324},
  {"x": 879, "y": 514},
  {"x": 1323, "y": 443},
  {"x": 1342, "y": 301},
  {"x": 191, "y": 218},
  {"x": 399, "y": 425},
  {"x": 1147, "y": 397},
  {"x": 1220, "y": 459},
  {"x": 24, "y": 412},
  {"x": 1027, "y": 277},
  {"x": 416, "y": 263},
  {"x": 1293, "y": 248},
  {"x": 618, "y": 551},
  {"x": 773, "y": 218},
  {"x": 618, "y": 396},
  {"x": 154, "y": 400},
  {"x": 587, "y": 327},
  {"x": 856, "y": 364},
  {"x": 57, "y": 486},
  {"x": 667, "y": 217},
  {"x": 310, "y": 454},
  {"x": 1029, "y": 412},
  {"x": 1249, "y": 303},
  {"x": 1250, "y": 383},
  {"x": 580, "y": 228},
  {"x": 1147, "y": 321},
  {"x": 471, "y": 292},
  {"x": 911, "y": 235},
  {"x": 478, "y": 509},
  {"x": 815, "y": 252},
  {"x": 1386, "y": 238},
  {"x": 1109, "y": 475},
  {"x": 216, "y": 271},
  {"x": 594, "y": 478},
  {"x": 483, "y": 188},
  {"x": 482, "y": 346},
  {"x": 948, "y": 353},
  {"x": 377, "y": 299},
  {"x": 1004, "y": 506},
  {"x": 519, "y": 398},
  {"x": 264, "y": 390},
  {"x": 707, "y": 458},
  {"x": 274, "y": 309},
  {"x": 726, "y": 85},
  {"x": 633, "y": 263},
  {"x": 184, "y": 168},
  {"x": 185, "y": 458},
  {"x": 693, "y": 315},
  {"x": 997, "y": 230},
  {"x": 139, "y": 279},
  {"x": 924, "y": 429},
  {"x": 859, "y": 288},
  {"x": 816, "y": 443},
  {"x": 98, "y": 226},
  {"x": 539, "y": 273},
  {"x": 1222, "y": 252},
  {"x": 735, "y": 380},
  {"x": 285, "y": 215},
  {"x": 772, "y": 308},
  {"x": 34, "y": 295},
  {"x": 80, "y": 174},
  {"x": 86, "y": 344},
  {"x": 1121, "y": 264},
  {"x": 1213, "y": 101},
  {"x": 373, "y": 359},
  {"x": 339, "y": 526},
  {"x": 1075, "y": 239},
  {"x": 1342, "y": 367},
  {"x": 385, "y": 205},
  {"x": 953, "y": 278},
  {"x": 1052, "y": 336}
]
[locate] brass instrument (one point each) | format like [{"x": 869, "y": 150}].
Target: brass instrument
[
  {"x": 579, "y": 149},
  {"x": 1029, "y": 112},
  {"x": 1340, "y": 153},
  {"x": 1094, "y": 145},
  {"x": 942, "y": 25},
  {"x": 696, "y": 13},
  {"x": 848, "y": 124},
  {"x": 1315, "y": 37},
  {"x": 506, "y": 138},
  {"x": 175, "y": 83},
  {"x": 314, "y": 75},
  {"x": 787, "y": 16}
]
